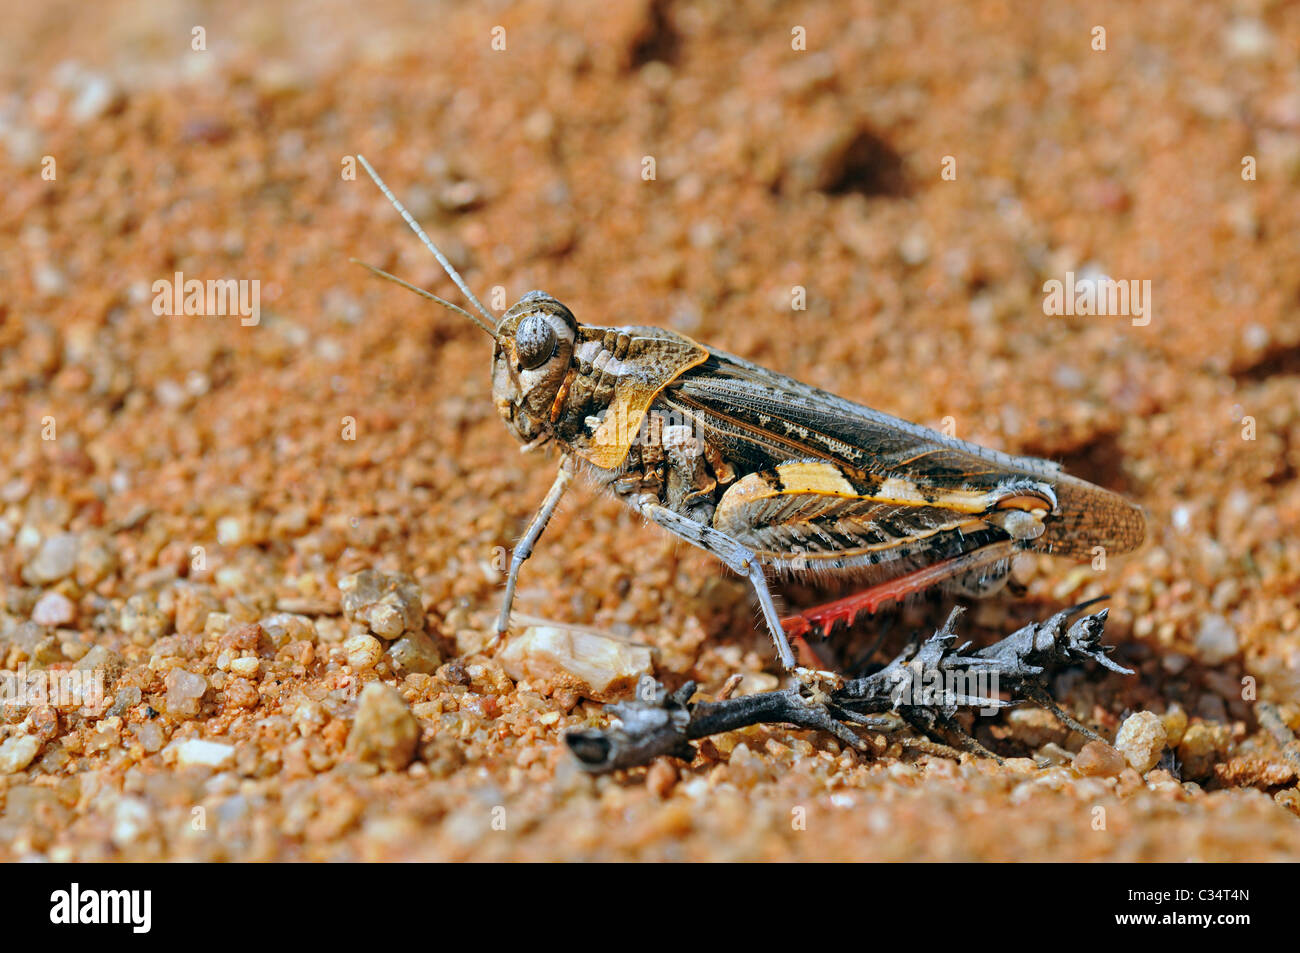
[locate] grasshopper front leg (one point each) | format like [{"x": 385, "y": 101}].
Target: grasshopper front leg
[
  {"x": 739, "y": 558},
  {"x": 530, "y": 537}
]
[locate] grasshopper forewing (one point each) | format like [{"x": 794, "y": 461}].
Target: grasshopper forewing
[{"x": 772, "y": 476}]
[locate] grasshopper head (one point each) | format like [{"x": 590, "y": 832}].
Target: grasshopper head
[
  {"x": 534, "y": 340},
  {"x": 534, "y": 349}
]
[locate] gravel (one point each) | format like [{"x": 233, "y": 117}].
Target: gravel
[
  {"x": 197, "y": 752},
  {"x": 384, "y": 732},
  {"x": 592, "y": 665},
  {"x": 56, "y": 559},
  {"x": 1141, "y": 740},
  {"x": 1216, "y": 640},
  {"x": 18, "y": 752},
  {"x": 54, "y": 609},
  {"x": 201, "y": 480},
  {"x": 1097, "y": 759},
  {"x": 185, "y": 691}
]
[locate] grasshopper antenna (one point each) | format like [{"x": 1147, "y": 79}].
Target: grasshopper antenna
[
  {"x": 420, "y": 291},
  {"x": 490, "y": 325}
]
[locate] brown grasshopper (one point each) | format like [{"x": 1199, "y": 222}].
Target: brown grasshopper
[{"x": 768, "y": 474}]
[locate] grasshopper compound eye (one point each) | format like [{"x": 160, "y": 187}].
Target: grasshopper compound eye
[{"x": 534, "y": 342}]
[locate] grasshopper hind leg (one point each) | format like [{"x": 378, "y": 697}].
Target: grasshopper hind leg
[
  {"x": 983, "y": 581},
  {"x": 980, "y": 572},
  {"x": 739, "y": 558}
]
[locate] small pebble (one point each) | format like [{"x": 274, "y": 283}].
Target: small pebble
[
  {"x": 363, "y": 651},
  {"x": 208, "y": 754},
  {"x": 56, "y": 559},
  {"x": 244, "y": 667},
  {"x": 1097, "y": 759},
  {"x": 54, "y": 609},
  {"x": 388, "y": 604},
  {"x": 151, "y": 736},
  {"x": 184, "y": 693},
  {"x": 1161, "y": 780},
  {"x": 415, "y": 652},
  {"x": 35, "y": 644},
  {"x": 101, "y": 658},
  {"x": 105, "y": 735},
  {"x": 1175, "y": 720},
  {"x": 193, "y": 606},
  {"x": 384, "y": 732},
  {"x": 285, "y": 627},
  {"x": 132, "y": 821},
  {"x": 96, "y": 559},
  {"x": 1201, "y": 746},
  {"x": 662, "y": 777},
  {"x": 595, "y": 666},
  {"x": 18, "y": 752},
  {"x": 1053, "y": 753},
  {"x": 1247, "y": 38},
  {"x": 96, "y": 95},
  {"x": 1034, "y": 727},
  {"x": 460, "y": 196},
  {"x": 914, "y": 249},
  {"x": 1216, "y": 640},
  {"x": 143, "y": 621},
  {"x": 1141, "y": 739},
  {"x": 126, "y": 699}
]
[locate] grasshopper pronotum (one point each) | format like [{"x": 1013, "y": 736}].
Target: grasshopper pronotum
[{"x": 769, "y": 474}]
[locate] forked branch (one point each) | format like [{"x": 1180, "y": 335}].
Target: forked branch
[{"x": 923, "y": 687}]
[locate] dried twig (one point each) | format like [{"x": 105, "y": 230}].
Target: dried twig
[{"x": 924, "y": 688}]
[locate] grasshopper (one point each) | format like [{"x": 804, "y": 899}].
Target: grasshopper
[{"x": 773, "y": 477}]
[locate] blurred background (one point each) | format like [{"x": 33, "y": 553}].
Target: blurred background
[{"x": 914, "y": 173}]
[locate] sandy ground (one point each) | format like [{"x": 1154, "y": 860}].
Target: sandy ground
[{"x": 181, "y": 496}]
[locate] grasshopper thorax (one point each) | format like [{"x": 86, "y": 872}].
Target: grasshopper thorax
[{"x": 534, "y": 351}]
